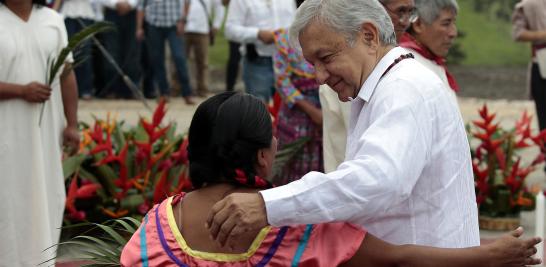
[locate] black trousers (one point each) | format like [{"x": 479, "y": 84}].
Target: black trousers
[
  {"x": 538, "y": 92},
  {"x": 232, "y": 67}
]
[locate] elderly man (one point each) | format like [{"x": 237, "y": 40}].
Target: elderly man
[
  {"x": 335, "y": 113},
  {"x": 407, "y": 175},
  {"x": 431, "y": 36}
]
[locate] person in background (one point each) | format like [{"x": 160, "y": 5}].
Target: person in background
[
  {"x": 165, "y": 21},
  {"x": 231, "y": 146},
  {"x": 299, "y": 115},
  {"x": 252, "y": 23},
  {"x": 32, "y": 197},
  {"x": 204, "y": 20},
  {"x": 336, "y": 113},
  {"x": 123, "y": 47},
  {"x": 529, "y": 25},
  {"x": 234, "y": 59},
  {"x": 431, "y": 35},
  {"x": 78, "y": 14}
]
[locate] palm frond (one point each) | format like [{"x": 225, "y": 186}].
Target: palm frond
[
  {"x": 101, "y": 244},
  {"x": 285, "y": 155},
  {"x": 74, "y": 42}
]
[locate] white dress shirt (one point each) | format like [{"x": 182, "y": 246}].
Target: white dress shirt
[
  {"x": 246, "y": 17},
  {"x": 407, "y": 175},
  {"x": 197, "y": 20},
  {"x": 78, "y": 9},
  {"x": 112, "y": 3}
]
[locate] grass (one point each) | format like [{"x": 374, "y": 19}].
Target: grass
[
  {"x": 219, "y": 52},
  {"x": 487, "y": 41}
]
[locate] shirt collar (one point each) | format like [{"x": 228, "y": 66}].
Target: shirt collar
[{"x": 370, "y": 84}]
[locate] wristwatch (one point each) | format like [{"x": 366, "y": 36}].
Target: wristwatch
[{"x": 183, "y": 19}]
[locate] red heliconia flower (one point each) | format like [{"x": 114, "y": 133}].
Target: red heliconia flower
[
  {"x": 484, "y": 114},
  {"x": 184, "y": 183},
  {"x": 120, "y": 158},
  {"x": 181, "y": 156},
  {"x": 161, "y": 190},
  {"x": 501, "y": 157},
  {"x": 97, "y": 133},
  {"x": 493, "y": 144},
  {"x": 483, "y": 136},
  {"x": 165, "y": 165},
  {"x": 88, "y": 190},
  {"x": 512, "y": 180},
  {"x": 70, "y": 203},
  {"x": 523, "y": 125},
  {"x": 539, "y": 138},
  {"x": 159, "y": 112},
  {"x": 522, "y": 143}
]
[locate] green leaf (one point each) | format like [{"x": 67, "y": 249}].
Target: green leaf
[
  {"x": 111, "y": 232},
  {"x": 131, "y": 202},
  {"x": 284, "y": 156},
  {"x": 73, "y": 43},
  {"x": 71, "y": 164}
]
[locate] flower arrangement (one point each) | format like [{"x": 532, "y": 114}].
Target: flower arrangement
[
  {"x": 499, "y": 171},
  {"x": 122, "y": 172}
]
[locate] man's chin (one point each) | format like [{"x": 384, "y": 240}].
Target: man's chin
[{"x": 343, "y": 98}]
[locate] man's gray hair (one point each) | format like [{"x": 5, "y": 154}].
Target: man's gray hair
[
  {"x": 429, "y": 10},
  {"x": 345, "y": 17}
]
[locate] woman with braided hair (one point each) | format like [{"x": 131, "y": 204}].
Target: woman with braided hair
[{"x": 230, "y": 147}]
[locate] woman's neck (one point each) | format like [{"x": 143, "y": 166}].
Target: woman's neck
[
  {"x": 21, "y": 8},
  {"x": 194, "y": 210}
]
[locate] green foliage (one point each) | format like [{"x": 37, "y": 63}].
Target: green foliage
[
  {"x": 285, "y": 155},
  {"x": 487, "y": 40},
  {"x": 101, "y": 244},
  {"x": 75, "y": 42}
]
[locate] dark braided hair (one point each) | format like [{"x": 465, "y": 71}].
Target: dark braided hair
[{"x": 226, "y": 132}]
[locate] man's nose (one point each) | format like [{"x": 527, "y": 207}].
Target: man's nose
[{"x": 321, "y": 74}]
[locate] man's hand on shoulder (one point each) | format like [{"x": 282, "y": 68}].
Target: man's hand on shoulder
[{"x": 236, "y": 214}]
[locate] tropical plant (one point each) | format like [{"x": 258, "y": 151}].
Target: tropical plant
[
  {"x": 499, "y": 170},
  {"x": 74, "y": 43},
  {"x": 100, "y": 244},
  {"x": 122, "y": 172}
]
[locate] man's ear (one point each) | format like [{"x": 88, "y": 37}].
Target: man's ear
[
  {"x": 418, "y": 26},
  {"x": 370, "y": 34}
]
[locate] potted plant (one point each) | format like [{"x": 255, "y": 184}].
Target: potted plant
[{"x": 500, "y": 171}]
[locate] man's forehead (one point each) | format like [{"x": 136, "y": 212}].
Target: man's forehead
[{"x": 316, "y": 38}]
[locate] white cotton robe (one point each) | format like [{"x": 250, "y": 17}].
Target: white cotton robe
[{"x": 32, "y": 191}]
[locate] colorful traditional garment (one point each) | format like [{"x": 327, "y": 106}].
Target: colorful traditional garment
[
  {"x": 295, "y": 80},
  {"x": 158, "y": 242}
]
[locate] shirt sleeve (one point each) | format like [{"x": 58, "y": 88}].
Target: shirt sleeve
[
  {"x": 519, "y": 21},
  {"x": 235, "y": 29},
  {"x": 382, "y": 174},
  {"x": 219, "y": 12},
  {"x": 332, "y": 244},
  {"x": 282, "y": 68}
]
